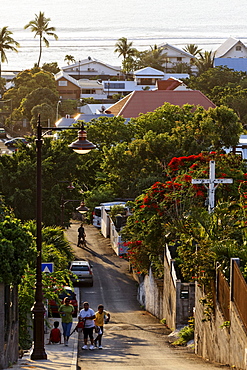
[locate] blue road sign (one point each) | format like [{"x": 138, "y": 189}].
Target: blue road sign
[{"x": 47, "y": 267}]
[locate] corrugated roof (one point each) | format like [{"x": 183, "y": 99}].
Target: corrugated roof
[
  {"x": 148, "y": 71},
  {"x": 226, "y": 46},
  {"x": 170, "y": 84},
  {"x": 90, "y": 83},
  {"x": 90, "y": 61},
  {"x": 147, "y": 101},
  {"x": 62, "y": 74},
  {"x": 237, "y": 64},
  {"x": 168, "y": 46}
]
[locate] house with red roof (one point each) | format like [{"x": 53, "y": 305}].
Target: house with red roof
[{"x": 139, "y": 102}]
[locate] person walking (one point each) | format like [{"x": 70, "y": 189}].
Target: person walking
[
  {"x": 87, "y": 314},
  {"x": 99, "y": 322},
  {"x": 66, "y": 311},
  {"x": 81, "y": 235}
]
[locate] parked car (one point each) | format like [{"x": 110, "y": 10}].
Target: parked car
[
  {"x": 53, "y": 305},
  {"x": 83, "y": 271},
  {"x": 2, "y": 132},
  {"x": 13, "y": 142}
]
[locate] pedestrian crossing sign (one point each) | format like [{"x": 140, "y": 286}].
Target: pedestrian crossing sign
[{"x": 47, "y": 267}]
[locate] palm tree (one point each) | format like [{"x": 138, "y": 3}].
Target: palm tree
[
  {"x": 69, "y": 59},
  {"x": 124, "y": 48},
  {"x": 192, "y": 49},
  {"x": 155, "y": 58},
  {"x": 6, "y": 43},
  {"x": 205, "y": 61},
  {"x": 41, "y": 26}
]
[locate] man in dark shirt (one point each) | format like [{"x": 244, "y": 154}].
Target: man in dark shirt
[{"x": 81, "y": 235}]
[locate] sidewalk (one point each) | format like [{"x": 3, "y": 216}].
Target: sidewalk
[{"x": 58, "y": 356}]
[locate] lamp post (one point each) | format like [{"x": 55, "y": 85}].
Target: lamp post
[
  {"x": 82, "y": 146},
  {"x": 59, "y": 102}
]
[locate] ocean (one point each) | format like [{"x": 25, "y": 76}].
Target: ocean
[{"x": 92, "y": 27}]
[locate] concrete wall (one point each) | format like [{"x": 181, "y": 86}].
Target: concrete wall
[
  {"x": 227, "y": 346},
  {"x": 179, "y": 298},
  {"x": 8, "y": 328},
  {"x": 150, "y": 294},
  {"x": 167, "y": 298}
]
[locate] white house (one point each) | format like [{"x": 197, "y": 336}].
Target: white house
[
  {"x": 232, "y": 54},
  {"x": 144, "y": 79},
  {"x": 231, "y": 48},
  {"x": 175, "y": 56},
  {"x": 91, "y": 67}
]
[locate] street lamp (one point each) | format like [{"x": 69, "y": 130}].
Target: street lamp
[
  {"x": 82, "y": 208},
  {"x": 82, "y": 146},
  {"x": 64, "y": 202}
]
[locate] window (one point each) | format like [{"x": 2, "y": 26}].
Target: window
[
  {"x": 179, "y": 59},
  {"x": 238, "y": 48},
  {"x": 112, "y": 85},
  {"x": 62, "y": 83}
]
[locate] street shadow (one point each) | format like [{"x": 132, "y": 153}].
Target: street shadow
[
  {"x": 118, "y": 349},
  {"x": 100, "y": 256}
]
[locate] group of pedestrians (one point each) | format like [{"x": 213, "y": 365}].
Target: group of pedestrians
[{"x": 92, "y": 322}]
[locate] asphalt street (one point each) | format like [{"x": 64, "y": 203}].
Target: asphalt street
[{"x": 134, "y": 339}]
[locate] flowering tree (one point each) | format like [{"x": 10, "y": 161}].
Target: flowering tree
[{"x": 174, "y": 212}]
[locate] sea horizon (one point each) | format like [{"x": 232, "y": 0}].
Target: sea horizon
[{"x": 92, "y": 28}]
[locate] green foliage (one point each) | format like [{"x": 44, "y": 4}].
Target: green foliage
[
  {"x": 163, "y": 321},
  {"x": 185, "y": 334},
  {"x": 69, "y": 59},
  {"x": 205, "y": 61},
  {"x": 32, "y": 87},
  {"x": 218, "y": 76},
  {"x": 117, "y": 210},
  {"x": 68, "y": 106},
  {"x": 97, "y": 196},
  {"x": 224, "y": 87},
  {"x": 51, "y": 67},
  {"x": 226, "y": 324},
  {"x": 174, "y": 212},
  {"x": 124, "y": 48},
  {"x": 155, "y": 58},
  {"x": 37, "y": 97},
  {"x": 40, "y": 27},
  {"x": 6, "y": 43},
  {"x": 129, "y": 158},
  {"x": 192, "y": 49},
  {"x": 16, "y": 250},
  {"x": 56, "y": 249},
  {"x": 52, "y": 285}
]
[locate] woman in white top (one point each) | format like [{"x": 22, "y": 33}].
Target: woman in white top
[{"x": 88, "y": 316}]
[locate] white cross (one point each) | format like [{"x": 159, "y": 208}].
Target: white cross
[{"x": 212, "y": 181}]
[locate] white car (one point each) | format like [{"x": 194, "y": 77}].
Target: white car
[{"x": 83, "y": 271}]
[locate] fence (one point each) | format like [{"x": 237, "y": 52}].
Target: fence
[
  {"x": 239, "y": 293},
  {"x": 223, "y": 295}
]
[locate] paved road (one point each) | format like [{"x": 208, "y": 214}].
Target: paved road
[{"x": 133, "y": 339}]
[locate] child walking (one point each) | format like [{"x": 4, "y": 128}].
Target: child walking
[{"x": 99, "y": 321}]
